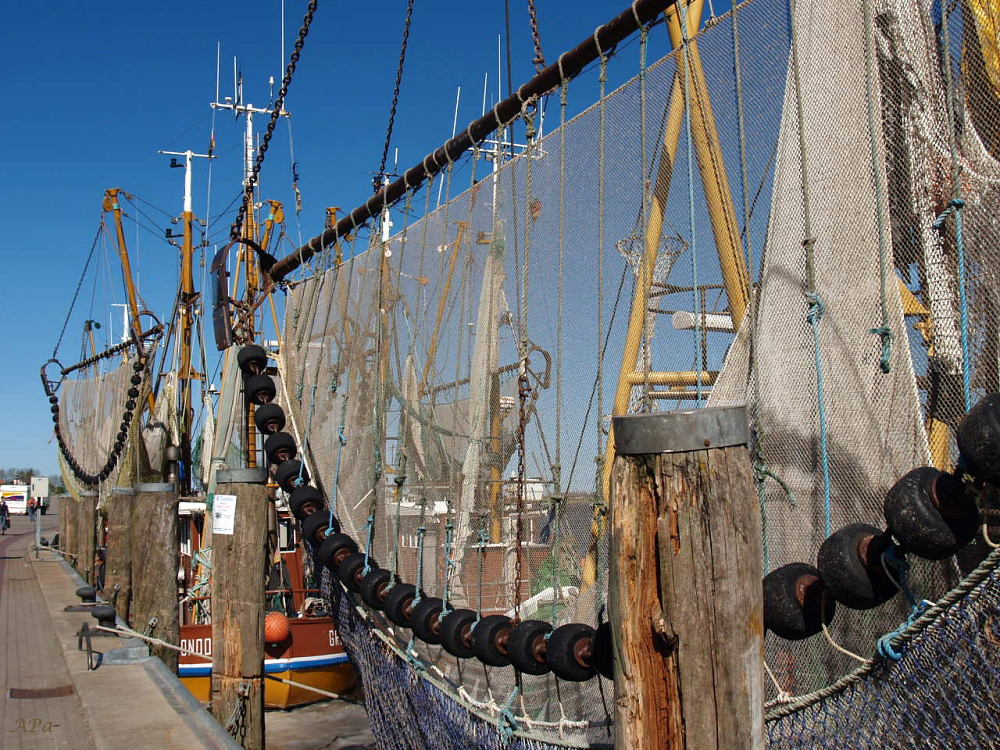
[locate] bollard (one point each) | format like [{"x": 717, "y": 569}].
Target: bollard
[{"x": 689, "y": 642}]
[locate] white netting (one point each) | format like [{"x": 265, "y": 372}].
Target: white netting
[{"x": 402, "y": 364}]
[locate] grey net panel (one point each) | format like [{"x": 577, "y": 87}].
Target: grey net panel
[{"x": 412, "y": 366}]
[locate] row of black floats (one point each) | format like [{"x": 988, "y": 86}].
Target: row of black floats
[
  {"x": 929, "y": 513},
  {"x": 574, "y": 651}
]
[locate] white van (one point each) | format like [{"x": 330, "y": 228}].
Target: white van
[{"x": 16, "y": 497}]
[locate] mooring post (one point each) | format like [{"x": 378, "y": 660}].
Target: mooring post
[
  {"x": 65, "y": 504},
  {"x": 155, "y": 556},
  {"x": 118, "y": 557},
  {"x": 685, "y": 595},
  {"x": 239, "y": 539},
  {"x": 86, "y": 531}
]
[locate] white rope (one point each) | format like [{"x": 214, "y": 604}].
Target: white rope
[{"x": 783, "y": 695}]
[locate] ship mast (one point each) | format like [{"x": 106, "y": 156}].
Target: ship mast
[{"x": 185, "y": 323}]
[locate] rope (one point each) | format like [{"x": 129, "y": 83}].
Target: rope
[
  {"x": 884, "y": 332},
  {"x": 599, "y": 381},
  {"x": 956, "y": 203},
  {"x": 76, "y": 294}
]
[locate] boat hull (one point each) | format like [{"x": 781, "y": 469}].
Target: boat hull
[{"x": 312, "y": 655}]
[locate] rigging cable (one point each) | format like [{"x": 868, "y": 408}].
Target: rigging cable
[
  {"x": 93, "y": 246},
  {"x": 380, "y": 177}
]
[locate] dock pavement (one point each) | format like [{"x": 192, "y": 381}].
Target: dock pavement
[{"x": 51, "y": 699}]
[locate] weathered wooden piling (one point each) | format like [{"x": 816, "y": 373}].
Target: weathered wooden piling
[
  {"x": 85, "y": 535},
  {"x": 685, "y": 593},
  {"x": 118, "y": 557},
  {"x": 154, "y": 566},
  {"x": 239, "y": 545}
]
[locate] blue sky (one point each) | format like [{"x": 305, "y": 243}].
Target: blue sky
[{"x": 94, "y": 91}]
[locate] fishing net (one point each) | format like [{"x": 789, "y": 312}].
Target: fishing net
[{"x": 452, "y": 384}]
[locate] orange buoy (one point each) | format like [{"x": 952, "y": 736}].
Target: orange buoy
[{"x": 276, "y": 628}]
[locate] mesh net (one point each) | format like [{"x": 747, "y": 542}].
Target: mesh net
[{"x": 452, "y": 384}]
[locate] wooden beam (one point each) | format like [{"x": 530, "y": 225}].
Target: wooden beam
[
  {"x": 238, "y": 567},
  {"x": 154, "y": 565},
  {"x": 118, "y": 557},
  {"x": 86, "y": 511},
  {"x": 689, "y": 643}
]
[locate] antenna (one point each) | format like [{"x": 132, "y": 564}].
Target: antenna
[
  {"x": 486, "y": 84},
  {"x": 218, "y": 60},
  {"x": 454, "y": 126}
]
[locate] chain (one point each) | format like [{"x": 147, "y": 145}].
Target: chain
[
  {"x": 539, "y": 60},
  {"x": 237, "y": 724},
  {"x": 377, "y": 182},
  {"x": 523, "y": 393},
  {"x": 279, "y": 106}
]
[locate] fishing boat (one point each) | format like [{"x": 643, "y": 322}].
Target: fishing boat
[{"x": 807, "y": 193}]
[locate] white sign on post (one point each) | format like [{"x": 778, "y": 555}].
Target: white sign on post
[{"x": 223, "y": 514}]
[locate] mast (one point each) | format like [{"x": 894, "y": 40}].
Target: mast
[
  {"x": 245, "y": 255},
  {"x": 185, "y": 312}
]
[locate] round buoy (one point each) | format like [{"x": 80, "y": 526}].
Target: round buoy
[
  {"x": 850, "y": 564},
  {"x": 796, "y": 602},
  {"x": 279, "y": 447},
  {"x": 374, "y": 585},
  {"x": 353, "y": 568},
  {"x": 489, "y": 640},
  {"x": 276, "y": 628},
  {"x": 304, "y": 501},
  {"x": 425, "y": 619},
  {"x": 334, "y": 549},
  {"x": 526, "y": 646},
  {"x": 399, "y": 603},
  {"x": 979, "y": 440},
  {"x": 260, "y": 389},
  {"x": 252, "y": 359},
  {"x": 603, "y": 652},
  {"x": 456, "y": 632},
  {"x": 291, "y": 474},
  {"x": 930, "y": 513},
  {"x": 269, "y": 418},
  {"x": 568, "y": 652}
]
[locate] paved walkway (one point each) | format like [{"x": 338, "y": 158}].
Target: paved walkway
[{"x": 128, "y": 705}]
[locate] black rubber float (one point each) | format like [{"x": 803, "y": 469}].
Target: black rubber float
[
  {"x": 569, "y": 652},
  {"x": 260, "y": 389},
  {"x": 527, "y": 646},
  {"x": 315, "y": 527},
  {"x": 796, "y": 602},
  {"x": 374, "y": 587},
  {"x": 456, "y": 633},
  {"x": 399, "y": 603},
  {"x": 352, "y": 570},
  {"x": 252, "y": 359},
  {"x": 291, "y": 474},
  {"x": 269, "y": 418},
  {"x": 603, "y": 653},
  {"x": 850, "y": 564},
  {"x": 979, "y": 440},
  {"x": 305, "y": 501},
  {"x": 335, "y": 549},
  {"x": 489, "y": 640},
  {"x": 425, "y": 619},
  {"x": 279, "y": 447},
  {"x": 930, "y": 513}
]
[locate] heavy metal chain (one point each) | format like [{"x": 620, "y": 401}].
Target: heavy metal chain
[
  {"x": 523, "y": 394},
  {"x": 237, "y": 724},
  {"x": 377, "y": 181},
  {"x": 536, "y": 37},
  {"x": 276, "y": 111}
]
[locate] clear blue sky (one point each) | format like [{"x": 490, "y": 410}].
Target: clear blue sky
[{"x": 94, "y": 91}]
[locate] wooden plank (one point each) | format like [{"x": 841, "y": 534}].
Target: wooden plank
[
  {"x": 86, "y": 527},
  {"x": 154, "y": 566},
  {"x": 238, "y": 568}
]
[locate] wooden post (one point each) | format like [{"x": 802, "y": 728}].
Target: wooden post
[
  {"x": 65, "y": 506},
  {"x": 238, "y": 604},
  {"x": 688, "y": 642},
  {"x": 154, "y": 565},
  {"x": 85, "y": 534},
  {"x": 118, "y": 559}
]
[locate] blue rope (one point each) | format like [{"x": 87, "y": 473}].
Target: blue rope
[
  {"x": 507, "y": 722},
  {"x": 814, "y": 316},
  {"x": 370, "y": 525},
  {"x": 449, "y": 532},
  {"x": 955, "y": 207},
  {"x": 885, "y": 646},
  {"x": 342, "y": 441},
  {"x": 421, "y": 531},
  {"x": 887, "y": 336}
]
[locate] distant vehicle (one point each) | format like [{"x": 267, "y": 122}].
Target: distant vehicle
[{"x": 16, "y": 496}]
